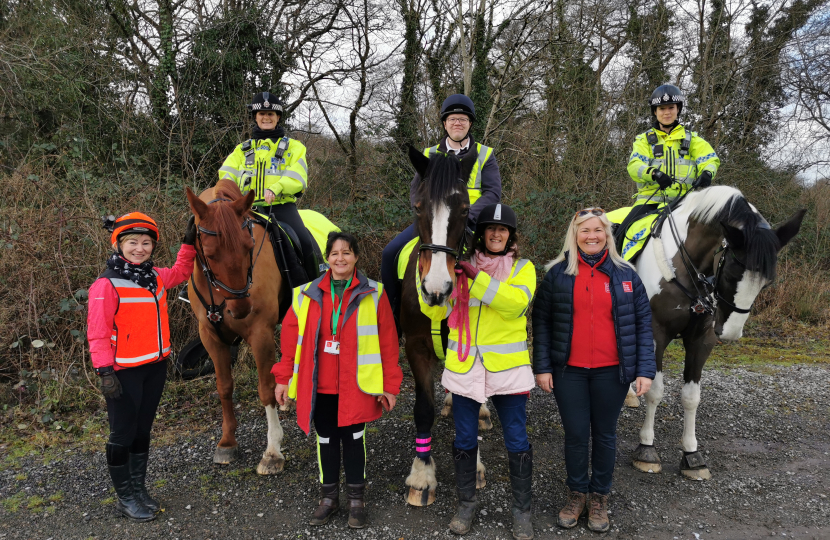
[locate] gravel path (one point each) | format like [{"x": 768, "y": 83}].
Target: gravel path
[{"x": 765, "y": 437}]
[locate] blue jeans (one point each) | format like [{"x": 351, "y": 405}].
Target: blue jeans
[
  {"x": 389, "y": 268},
  {"x": 589, "y": 401},
  {"x": 512, "y": 415}
]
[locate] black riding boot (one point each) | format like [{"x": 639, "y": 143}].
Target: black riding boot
[
  {"x": 521, "y": 476},
  {"x": 128, "y": 504},
  {"x": 465, "y": 485},
  {"x": 138, "y": 470}
]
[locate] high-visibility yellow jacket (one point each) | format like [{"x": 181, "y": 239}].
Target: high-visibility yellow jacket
[
  {"x": 665, "y": 151},
  {"x": 498, "y": 320},
  {"x": 474, "y": 182},
  {"x": 253, "y": 165}
]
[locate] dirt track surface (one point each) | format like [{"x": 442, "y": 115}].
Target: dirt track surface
[{"x": 765, "y": 437}]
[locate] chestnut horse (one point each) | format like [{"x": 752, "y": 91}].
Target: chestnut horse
[
  {"x": 702, "y": 269},
  {"x": 441, "y": 208},
  {"x": 236, "y": 291}
]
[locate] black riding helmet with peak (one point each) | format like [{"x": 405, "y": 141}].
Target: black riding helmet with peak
[
  {"x": 458, "y": 104},
  {"x": 265, "y": 101},
  {"x": 496, "y": 214},
  {"x": 667, "y": 94}
]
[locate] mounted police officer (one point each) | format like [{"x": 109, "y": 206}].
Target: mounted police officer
[
  {"x": 458, "y": 114},
  {"x": 667, "y": 160},
  {"x": 274, "y": 167}
]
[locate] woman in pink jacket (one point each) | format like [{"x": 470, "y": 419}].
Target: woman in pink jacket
[{"x": 129, "y": 341}]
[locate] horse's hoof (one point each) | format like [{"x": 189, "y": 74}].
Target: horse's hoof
[
  {"x": 289, "y": 404},
  {"x": 646, "y": 459},
  {"x": 632, "y": 401},
  {"x": 484, "y": 423},
  {"x": 480, "y": 480},
  {"x": 269, "y": 465},
  {"x": 697, "y": 474},
  {"x": 420, "y": 497},
  {"x": 224, "y": 456}
]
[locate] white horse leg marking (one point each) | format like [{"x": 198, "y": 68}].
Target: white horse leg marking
[
  {"x": 447, "y": 408},
  {"x": 422, "y": 475},
  {"x": 435, "y": 282},
  {"x": 631, "y": 399},
  {"x": 690, "y": 397},
  {"x": 272, "y": 459},
  {"x": 484, "y": 422},
  {"x": 748, "y": 288},
  {"x": 480, "y": 470},
  {"x": 653, "y": 398}
]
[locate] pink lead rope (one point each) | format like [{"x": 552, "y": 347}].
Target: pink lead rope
[{"x": 460, "y": 316}]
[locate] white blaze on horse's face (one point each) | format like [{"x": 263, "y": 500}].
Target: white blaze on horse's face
[
  {"x": 748, "y": 289},
  {"x": 437, "y": 283}
]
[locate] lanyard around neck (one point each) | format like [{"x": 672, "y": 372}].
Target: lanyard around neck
[{"x": 335, "y": 313}]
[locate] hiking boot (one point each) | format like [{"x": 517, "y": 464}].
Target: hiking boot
[
  {"x": 329, "y": 504},
  {"x": 357, "y": 507},
  {"x": 573, "y": 509},
  {"x": 598, "y": 513},
  {"x": 138, "y": 471},
  {"x": 465, "y": 486},
  {"x": 521, "y": 476}
]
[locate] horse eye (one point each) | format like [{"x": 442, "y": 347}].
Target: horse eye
[
  {"x": 465, "y": 212},
  {"x": 418, "y": 209}
]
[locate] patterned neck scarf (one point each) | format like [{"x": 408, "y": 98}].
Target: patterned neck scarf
[
  {"x": 497, "y": 267},
  {"x": 140, "y": 274},
  {"x": 592, "y": 260}
]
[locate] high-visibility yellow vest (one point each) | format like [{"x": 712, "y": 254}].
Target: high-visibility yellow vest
[
  {"x": 369, "y": 366},
  {"x": 474, "y": 182}
]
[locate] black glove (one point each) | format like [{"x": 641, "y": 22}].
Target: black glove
[
  {"x": 110, "y": 385},
  {"x": 190, "y": 232},
  {"x": 662, "y": 179},
  {"x": 704, "y": 180}
]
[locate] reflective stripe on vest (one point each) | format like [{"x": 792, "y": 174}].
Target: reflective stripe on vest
[
  {"x": 140, "y": 332},
  {"x": 474, "y": 182},
  {"x": 369, "y": 366}
]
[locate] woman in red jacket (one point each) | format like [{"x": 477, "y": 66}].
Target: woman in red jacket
[
  {"x": 129, "y": 341},
  {"x": 340, "y": 362}
]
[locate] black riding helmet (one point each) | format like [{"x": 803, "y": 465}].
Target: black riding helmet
[
  {"x": 265, "y": 101},
  {"x": 495, "y": 214},
  {"x": 666, "y": 94},
  {"x": 458, "y": 104}
]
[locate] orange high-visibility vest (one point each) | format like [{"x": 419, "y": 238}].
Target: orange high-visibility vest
[{"x": 140, "y": 331}]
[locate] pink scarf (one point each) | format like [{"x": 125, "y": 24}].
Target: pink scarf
[{"x": 498, "y": 267}]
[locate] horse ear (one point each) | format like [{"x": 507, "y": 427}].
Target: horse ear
[
  {"x": 242, "y": 205},
  {"x": 733, "y": 235},
  {"x": 787, "y": 230},
  {"x": 197, "y": 205},
  {"x": 419, "y": 161},
  {"x": 467, "y": 164}
]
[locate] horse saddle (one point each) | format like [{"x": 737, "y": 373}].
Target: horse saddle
[{"x": 633, "y": 239}]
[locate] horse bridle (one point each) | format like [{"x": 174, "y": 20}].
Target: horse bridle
[
  {"x": 715, "y": 280},
  {"x": 457, "y": 253}
]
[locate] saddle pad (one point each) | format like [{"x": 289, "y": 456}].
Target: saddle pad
[
  {"x": 638, "y": 232},
  {"x": 319, "y": 226},
  {"x": 403, "y": 257}
]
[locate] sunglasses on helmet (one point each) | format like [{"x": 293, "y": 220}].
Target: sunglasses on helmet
[{"x": 585, "y": 212}]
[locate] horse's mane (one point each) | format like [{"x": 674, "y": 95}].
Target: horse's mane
[
  {"x": 225, "y": 220},
  {"x": 725, "y": 204},
  {"x": 441, "y": 177}
]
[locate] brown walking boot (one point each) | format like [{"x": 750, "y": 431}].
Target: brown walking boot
[
  {"x": 575, "y": 507},
  {"x": 329, "y": 504},
  {"x": 357, "y": 507},
  {"x": 598, "y": 513}
]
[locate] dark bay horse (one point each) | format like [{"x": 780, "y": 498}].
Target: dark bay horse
[
  {"x": 441, "y": 209},
  {"x": 703, "y": 269},
  {"x": 235, "y": 274}
]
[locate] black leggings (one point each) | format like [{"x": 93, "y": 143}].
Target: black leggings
[
  {"x": 131, "y": 415},
  {"x": 329, "y": 437},
  {"x": 288, "y": 213}
]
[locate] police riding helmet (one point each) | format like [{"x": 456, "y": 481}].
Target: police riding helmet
[
  {"x": 134, "y": 223},
  {"x": 666, "y": 94},
  {"x": 458, "y": 104},
  {"x": 265, "y": 101}
]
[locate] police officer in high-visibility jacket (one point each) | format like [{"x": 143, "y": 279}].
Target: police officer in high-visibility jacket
[
  {"x": 668, "y": 160},
  {"x": 273, "y": 166},
  {"x": 129, "y": 342},
  {"x": 497, "y": 366},
  {"x": 340, "y": 362},
  {"x": 484, "y": 184}
]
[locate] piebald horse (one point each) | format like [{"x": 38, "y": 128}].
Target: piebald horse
[
  {"x": 236, "y": 292},
  {"x": 441, "y": 208},
  {"x": 703, "y": 269}
]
